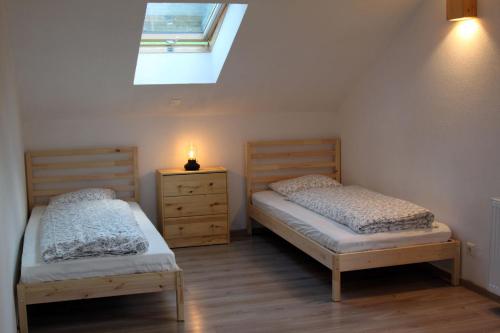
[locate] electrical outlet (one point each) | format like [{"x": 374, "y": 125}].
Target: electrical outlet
[
  {"x": 471, "y": 248},
  {"x": 175, "y": 102}
]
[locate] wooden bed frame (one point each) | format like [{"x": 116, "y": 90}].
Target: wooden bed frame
[
  {"x": 52, "y": 172},
  {"x": 270, "y": 161}
]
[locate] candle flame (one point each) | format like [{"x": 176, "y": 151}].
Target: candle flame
[{"x": 192, "y": 152}]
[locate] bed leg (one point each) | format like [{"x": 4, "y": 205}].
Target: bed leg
[
  {"x": 179, "y": 281},
  {"x": 22, "y": 309},
  {"x": 455, "y": 274},
  {"x": 336, "y": 274}
]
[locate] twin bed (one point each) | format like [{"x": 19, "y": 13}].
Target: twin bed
[
  {"x": 334, "y": 245},
  {"x": 54, "y": 172}
]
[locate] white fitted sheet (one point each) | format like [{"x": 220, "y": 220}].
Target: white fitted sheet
[
  {"x": 159, "y": 257},
  {"x": 340, "y": 238}
]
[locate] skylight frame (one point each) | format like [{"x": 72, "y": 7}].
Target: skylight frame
[{"x": 186, "y": 42}]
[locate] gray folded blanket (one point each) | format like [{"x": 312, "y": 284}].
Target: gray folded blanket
[
  {"x": 362, "y": 210},
  {"x": 90, "y": 229}
]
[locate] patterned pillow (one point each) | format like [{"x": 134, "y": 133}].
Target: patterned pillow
[
  {"x": 88, "y": 194},
  {"x": 289, "y": 186}
]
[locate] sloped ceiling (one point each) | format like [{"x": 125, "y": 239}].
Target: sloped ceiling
[{"x": 78, "y": 56}]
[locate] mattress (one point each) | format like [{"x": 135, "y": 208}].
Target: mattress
[
  {"x": 158, "y": 257},
  {"x": 340, "y": 238}
]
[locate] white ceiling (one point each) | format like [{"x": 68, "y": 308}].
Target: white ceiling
[{"x": 78, "y": 56}]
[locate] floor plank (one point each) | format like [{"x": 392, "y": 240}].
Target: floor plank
[{"x": 262, "y": 284}]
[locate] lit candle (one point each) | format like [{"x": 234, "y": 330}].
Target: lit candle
[{"x": 192, "y": 165}]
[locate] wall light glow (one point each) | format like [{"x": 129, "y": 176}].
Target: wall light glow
[{"x": 468, "y": 28}]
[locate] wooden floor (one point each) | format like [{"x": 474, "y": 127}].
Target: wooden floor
[{"x": 262, "y": 284}]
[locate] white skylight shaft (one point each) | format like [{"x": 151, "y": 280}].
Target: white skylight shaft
[{"x": 184, "y": 63}]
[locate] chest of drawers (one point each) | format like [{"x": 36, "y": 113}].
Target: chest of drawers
[{"x": 193, "y": 207}]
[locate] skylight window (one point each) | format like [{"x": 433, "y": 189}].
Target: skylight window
[
  {"x": 186, "y": 43},
  {"x": 181, "y": 27}
]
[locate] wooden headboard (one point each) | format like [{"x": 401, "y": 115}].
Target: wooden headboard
[
  {"x": 53, "y": 172},
  {"x": 270, "y": 161}
]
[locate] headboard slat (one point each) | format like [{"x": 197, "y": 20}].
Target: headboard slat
[
  {"x": 295, "y": 154},
  {"x": 83, "y": 165},
  {"x": 314, "y": 142},
  {"x": 272, "y": 179},
  {"x": 61, "y": 179},
  {"x": 116, "y": 188},
  {"x": 53, "y": 172},
  {"x": 284, "y": 166},
  {"x": 80, "y": 152}
]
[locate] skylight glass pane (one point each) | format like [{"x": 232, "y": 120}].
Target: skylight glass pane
[{"x": 178, "y": 18}]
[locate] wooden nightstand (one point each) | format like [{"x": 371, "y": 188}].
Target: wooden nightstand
[{"x": 192, "y": 206}]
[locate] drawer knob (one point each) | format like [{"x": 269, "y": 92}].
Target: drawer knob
[
  {"x": 179, "y": 208},
  {"x": 181, "y": 228},
  {"x": 211, "y": 184}
]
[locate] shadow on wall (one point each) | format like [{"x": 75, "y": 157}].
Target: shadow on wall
[
  {"x": 236, "y": 204},
  {"x": 148, "y": 179}
]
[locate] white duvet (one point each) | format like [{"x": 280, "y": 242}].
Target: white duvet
[
  {"x": 362, "y": 210},
  {"x": 90, "y": 229}
]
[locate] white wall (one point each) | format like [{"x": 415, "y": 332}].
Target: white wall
[
  {"x": 289, "y": 67},
  {"x": 424, "y": 123},
  {"x": 163, "y": 141},
  {"x": 12, "y": 187}
]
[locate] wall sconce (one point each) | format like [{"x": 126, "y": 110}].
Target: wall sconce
[
  {"x": 457, "y": 10},
  {"x": 192, "y": 165}
]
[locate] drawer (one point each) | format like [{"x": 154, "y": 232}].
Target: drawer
[
  {"x": 195, "y": 219},
  {"x": 198, "y": 241},
  {"x": 194, "y": 205},
  {"x": 194, "y": 184},
  {"x": 195, "y": 229}
]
